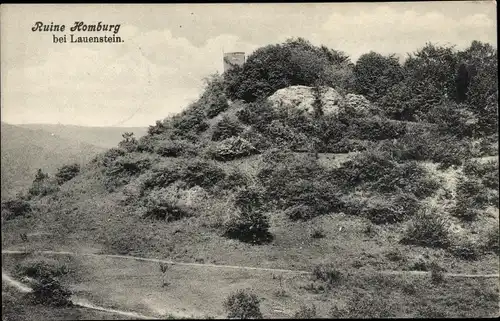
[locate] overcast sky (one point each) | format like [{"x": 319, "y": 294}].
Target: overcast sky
[{"x": 168, "y": 49}]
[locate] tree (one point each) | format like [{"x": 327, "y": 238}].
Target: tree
[
  {"x": 375, "y": 74},
  {"x": 40, "y": 176},
  {"x": 295, "y": 62},
  {"x": 435, "y": 66},
  {"x": 479, "y": 84},
  {"x": 129, "y": 142}
]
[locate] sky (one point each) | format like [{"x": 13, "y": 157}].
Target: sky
[{"x": 168, "y": 49}]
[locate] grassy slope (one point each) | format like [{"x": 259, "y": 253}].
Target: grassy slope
[
  {"x": 25, "y": 150},
  {"x": 85, "y": 216}
]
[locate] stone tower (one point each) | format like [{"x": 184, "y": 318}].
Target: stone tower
[{"x": 232, "y": 59}]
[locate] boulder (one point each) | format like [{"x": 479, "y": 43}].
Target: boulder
[{"x": 303, "y": 97}]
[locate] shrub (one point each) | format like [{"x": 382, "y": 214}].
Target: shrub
[
  {"x": 378, "y": 172},
  {"x": 214, "y": 98},
  {"x": 164, "y": 206},
  {"x": 471, "y": 198},
  {"x": 363, "y": 306},
  {"x": 248, "y": 226},
  {"x": 226, "y": 128},
  {"x": 487, "y": 172},
  {"x": 43, "y": 187},
  {"x": 159, "y": 128},
  {"x": 306, "y": 312},
  {"x": 305, "y": 199},
  {"x": 189, "y": 123},
  {"x": 437, "y": 273},
  {"x": 492, "y": 240},
  {"x": 427, "y": 229},
  {"x": 295, "y": 62},
  {"x": 15, "y": 208},
  {"x": 41, "y": 267},
  {"x": 375, "y": 74},
  {"x": 48, "y": 291},
  {"x": 327, "y": 273},
  {"x": 465, "y": 249},
  {"x": 318, "y": 233},
  {"x": 390, "y": 210},
  {"x": 242, "y": 305},
  {"x": 129, "y": 142},
  {"x": 374, "y": 128},
  {"x": 423, "y": 143},
  {"x": 232, "y": 148},
  {"x": 108, "y": 158},
  {"x": 175, "y": 148},
  {"x": 202, "y": 173},
  {"x": 453, "y": 119},
  {"x": 67, "y": 172},
  {"x": 124, "y": 168}
]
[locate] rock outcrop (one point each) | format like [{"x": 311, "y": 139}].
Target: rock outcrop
[
  {"x": 331, "y": 102},
  {"x": 303, "y": 97}
]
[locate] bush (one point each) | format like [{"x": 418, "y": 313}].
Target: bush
[
  {"x": 427, "y": 229},
  {"x": 190, "y": 123},
  {"x": 41, "y": 267},
  {"x": 471, "y": 198},
  {"x": 202, "y": 173},
  {"x": 124, "y": 168},
  {"x": 453, "y": 119},
  {"x": 388, "y": 210},
  {"x": 159, "y": 128},
  {"x": 374, "y": 128},
  {"x": 226, "y": 128},
  {"x": 15, "y": 208},
  {"x": 378, "y": 172},
  {"x": 306, "y": 312},
  {"x": 423, "y": 143},
  {"x": 295, "y": 62},
  {"x": 214, "y": 98},
  {"x": 48, "y": 291},
  {"x": 375, "y": 74},
  {"x": 108, "y": 158},
  {"x": 363, "y": 306},
  {"x": 248, "y": 226},
  {"x": 176, "y": 148},
  {"x": 327, "y": 273},
  {"x": 492, "y": 241},
  {"x": 129, "y": 142},
  {"x": 307, "y": 199},
  {"x": 163, "y": 206},
  {"x": 232, "y": 148},
  {"x": 409, "y": 177},
  {"x": 248, "y": 223},
  {"x": 465, "y": 249},
  {"x": 242, "y": 305},
  {"x": 67, "y": 172},
  {"x": 486, "y": 172},
  {"x": 437, "y": 273},
  {"x": 318, "y": 233},
  {"x": 43, "y": 187}
]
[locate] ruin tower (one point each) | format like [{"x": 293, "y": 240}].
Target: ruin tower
[{"x": 232, "y": 59}]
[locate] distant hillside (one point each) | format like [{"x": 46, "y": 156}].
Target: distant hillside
[
  {"x": 106, "y": 137},
  {"x": 25, "y": 150}
]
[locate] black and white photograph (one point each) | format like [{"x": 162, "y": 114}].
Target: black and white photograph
[{"x": 249, "y": 160}]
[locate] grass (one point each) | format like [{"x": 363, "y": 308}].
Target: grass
[
  {"x": 135, "y": 288},
  {"x": 85, "y": 207}
]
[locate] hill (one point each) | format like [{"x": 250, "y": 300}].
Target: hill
[
  {"x": 327, "y": 189},
  {"x": 26, "y": 150},
  {"x": 105, "y": 137}
]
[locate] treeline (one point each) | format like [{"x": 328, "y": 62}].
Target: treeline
[{"x": 463, "y": 81}]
